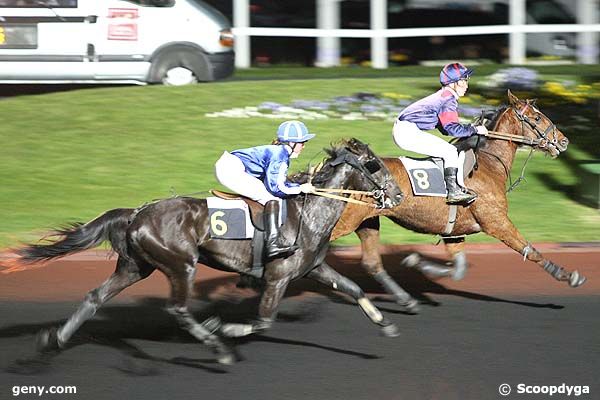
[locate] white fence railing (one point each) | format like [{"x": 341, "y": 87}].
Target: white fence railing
[
  {"x": 415, "y": 32},
  {"x": 244, "y": 32}
]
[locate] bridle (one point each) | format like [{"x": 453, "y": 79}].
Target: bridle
[
  {"x": 544, "y": 139},
  {"x": 367, "y": 169}
]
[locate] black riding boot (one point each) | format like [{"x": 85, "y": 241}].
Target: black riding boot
[
  {"x": 455, "y": 193},
  {"x": 274, "y": 247}
]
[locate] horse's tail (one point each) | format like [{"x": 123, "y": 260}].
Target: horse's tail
[{"x": 74, "y": 238}]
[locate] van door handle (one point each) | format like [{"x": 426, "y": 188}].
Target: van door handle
[{"x": 91, "y": 19}]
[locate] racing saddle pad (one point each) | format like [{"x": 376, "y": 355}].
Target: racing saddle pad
[
  {"x": 229, "y": 219},
  {"x": 426, "y": 175},
  {"x": 233, "y": 216}
]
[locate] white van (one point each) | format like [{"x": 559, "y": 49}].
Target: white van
[{"x": 141, "y": 41}]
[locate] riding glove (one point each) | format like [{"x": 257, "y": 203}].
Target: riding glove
[
  {"x": 481, "y": 130},
  {"x": 307, "y": 188}
]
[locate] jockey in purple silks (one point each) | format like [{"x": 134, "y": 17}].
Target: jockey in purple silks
[
  {"x": 439, "y": 110},
  {"x": 260, "y": 173}
]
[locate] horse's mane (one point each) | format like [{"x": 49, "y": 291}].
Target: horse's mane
[
  {"x": 323, "y": 171},
  {"x": 491, "y": 116},
  {"x": 490, "y": 119}
]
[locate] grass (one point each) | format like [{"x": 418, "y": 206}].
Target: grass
[{"x": 69, "y": 156}]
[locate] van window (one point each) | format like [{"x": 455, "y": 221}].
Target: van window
[
  {"x": 38, "y": 3},
  {"x": 153, "y": 3}
]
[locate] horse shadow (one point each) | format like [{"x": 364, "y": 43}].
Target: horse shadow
[
  {"x": 415, "y": 282},
  {"x": 116, "y": 326}
]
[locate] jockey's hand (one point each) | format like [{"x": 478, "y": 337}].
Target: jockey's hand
[
  {"x": 481, "y": 130},
  {"x": 307, "y": 188}
]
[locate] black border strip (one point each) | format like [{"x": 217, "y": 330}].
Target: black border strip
[{"x": 38, "y": 20}]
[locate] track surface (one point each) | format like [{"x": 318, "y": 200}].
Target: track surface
[{"x": 507, "y": 322}]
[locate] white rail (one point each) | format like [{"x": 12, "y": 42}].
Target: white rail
[{"x": 415, "y": 32}]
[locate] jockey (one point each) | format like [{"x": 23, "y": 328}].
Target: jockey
[
  {"x": 439, "y": 110},
  {"x": 260, "y": 173}
]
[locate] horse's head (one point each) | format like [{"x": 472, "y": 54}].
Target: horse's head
[
  {"x": 365, "y": 171},
  {"x": 536, "y": 126}
]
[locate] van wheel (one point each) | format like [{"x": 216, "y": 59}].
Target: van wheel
[
  {"x": 179, "y": 76},
  {"x": 179, "y": 66}
]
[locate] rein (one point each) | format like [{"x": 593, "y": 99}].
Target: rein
[
  {"x": 517, "y": 138},
  {"x": 325, "y": 192}
]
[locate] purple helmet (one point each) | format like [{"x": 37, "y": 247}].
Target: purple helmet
[{"x": 453, "y": 73}]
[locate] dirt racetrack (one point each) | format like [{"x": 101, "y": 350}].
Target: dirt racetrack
[{"x": 506, "y": 322}]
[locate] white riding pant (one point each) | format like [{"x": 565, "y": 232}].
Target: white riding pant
[
  {"x": 231, "y": 173},
  {"x": 408, "y": 136}
]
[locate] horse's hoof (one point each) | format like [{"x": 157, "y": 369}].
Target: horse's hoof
[
  {"x": 435, "y": 271},
  {"x": 390, "y": 330},
  {"x": 576, "y": 280},
  {"x": 226, "y": 359},
  {"x": 411, "y": 261},
  {"x": 411, "y": 306},
  {"x": 47, "y": 341},
  {"x": 459, "y": 273},
  {"x": 236, "y": 330}
]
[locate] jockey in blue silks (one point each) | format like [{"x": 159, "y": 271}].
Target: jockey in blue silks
[
  {"x": 440, "y": 110},
  {"x": 260, "y": 173}
]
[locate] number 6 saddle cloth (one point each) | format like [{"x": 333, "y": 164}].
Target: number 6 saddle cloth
[
  {"x": 233, "y": 216},
  {"x": 237, "y": 217},
  {"x": 427, "y": 174}
]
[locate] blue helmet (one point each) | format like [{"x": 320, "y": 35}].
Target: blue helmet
[
  {"x": 453, "y": 73},
  {"x": 293, "y": 131}
]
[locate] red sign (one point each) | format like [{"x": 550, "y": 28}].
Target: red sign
[
  {"x": 131, "y": 13},
  {"x": 122, "y": 25},
  {"x": 122, "y": 32}
]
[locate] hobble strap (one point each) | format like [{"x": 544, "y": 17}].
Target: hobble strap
[{"x": 526, "y": 250}]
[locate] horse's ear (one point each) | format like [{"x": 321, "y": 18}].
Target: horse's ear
[{"x": 512, "y": 99}]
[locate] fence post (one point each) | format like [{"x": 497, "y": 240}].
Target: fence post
[
  {"x": 328, "y": 48},
  {"x": 241, "y": 19},
  {"x": 516, "y": 42},
  {"x": 379, "y": 49},
  {"x": 587, "y": 42}
]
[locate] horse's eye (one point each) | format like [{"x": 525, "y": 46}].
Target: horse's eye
[
  {"x": 372, "y": 166},
  {"x": 538, "y": 118}
]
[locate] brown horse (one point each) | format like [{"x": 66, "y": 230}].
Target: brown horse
[{"x": 523, "y": 123}]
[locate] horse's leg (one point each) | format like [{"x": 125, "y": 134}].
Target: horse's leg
[
  {"x": 455, "y": 247},
  {"x": 182, "y": 281},
  {"x": 333, "y": 279},
  {"x": 272, "y": 294},
  {"x": 126, "y": 274},
  {"x": 368, "y": 233},
  {"x": 505, "y": 231}
]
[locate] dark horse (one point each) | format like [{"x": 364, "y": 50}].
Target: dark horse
[
  {"x": 172, "y": 235},
  {"x": 489, "y": 213}
]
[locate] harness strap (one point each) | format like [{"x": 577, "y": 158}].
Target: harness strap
[{"x": 452, "y": 211}]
